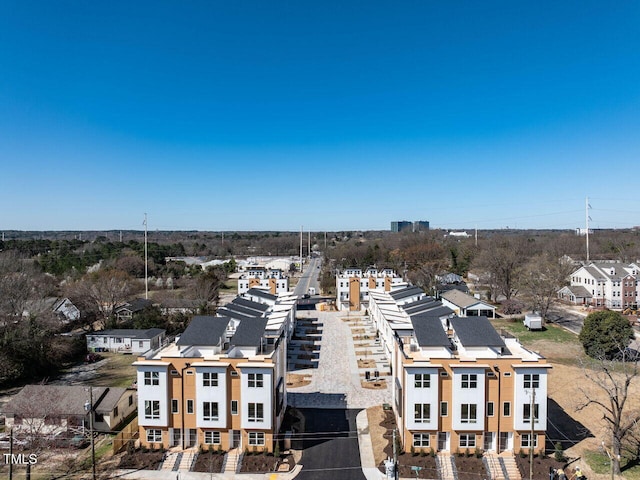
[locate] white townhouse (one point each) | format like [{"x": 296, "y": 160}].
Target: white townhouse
[
  {"x": 353, "y": 286},
  {"x": 272, "y": 279}
]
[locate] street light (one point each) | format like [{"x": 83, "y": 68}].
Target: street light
[{"x": 88, "y": 406}]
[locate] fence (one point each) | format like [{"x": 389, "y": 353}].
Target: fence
[{"x": 129, "y": 432}]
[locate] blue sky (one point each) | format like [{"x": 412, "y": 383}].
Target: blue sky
[{"x": 345, "y": 115}]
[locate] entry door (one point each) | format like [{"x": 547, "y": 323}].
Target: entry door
[
  {"x": 236, "y": 439},
  {"x": 443, "y": 441},
  {"x": 489, "y": 441},
  {"x": 506, "y": 441},
  {"x": 176, "y": 437}
]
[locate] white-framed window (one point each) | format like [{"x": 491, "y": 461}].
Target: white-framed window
[
  {"x": 256, "y": 438},
  {"x": 154, "y": 435},
  {"x": 256, "y": 412},
  {"x": 531, "y": 380},
  {"x": 152, "y": 409},
  {"x": 506, "y": 409},
  {"x": 189, "y": 406},
  {"x": 421, "y": 440},
  {"x": 469, "y": 380},
  {"x": 234, "y": 407},
  {"x": 444, "y": 409},
  {"x": 526, "y": 412},
  {"x": 422, "y": 380},
  {"x": 490, "y": 409},
  {"x": 467, "y": 440},
  {"x": 212, "y": 438},
  {"x": 210, "y": 411},
  {"x": 525, "y": 440},
  {"x": 422, "y": 412},
  {"x": 174, "y": 405},
  {"x": 255, "y": 380},
  {"x": 209, "y": 379},
  {"x": 152, "y": 378},
  {"x": 468, "y": 413}
]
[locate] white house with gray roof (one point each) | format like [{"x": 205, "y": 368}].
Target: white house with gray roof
[
  {"x": 613, "y": 285},
  {"x": 465, "y": 305}
]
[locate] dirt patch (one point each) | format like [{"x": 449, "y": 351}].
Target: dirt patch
[
  {"x": 210, "y": 462},
  {"x": 375, "y": 385},
  {"x": 541, "y": 466},
  {"x": 141, "y": 460},
  {"x": 364, "y": 352},
  {"x": 425, "y": 462},
  {"x": 295, "y": 380},
  {"x": 264, "y": 462},
  {"x": 357, "y": 331},
  {"x": 471, "y": 468},
  {"x": 366, "y": 363},
  {"x": 381, "y": 425}
]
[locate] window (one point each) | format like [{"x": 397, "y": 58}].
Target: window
[
  {"x": 189, "y": 372},
  {"x": 234, "y": 373},
  {"x": 234, "y": 407},
  {"x": 212, "y": 438},
  {"x": 174, "y": 372},
  {"x": 444, "y": 374},
  {"x": 444, "y": 409},
  {"x": 210, "y": 411},
  {"x": 189, "y": 406},
  {"x": 468, "y": 413},
  {"x": 507, "y": 374},
  {"x": 256, "y": 438},
  {"x": 174, "y": 405},
  {"x": 422, "y": 380},
  {"x": 209, "y": 379},
  {"x": 469, "y": 380},
  {"x": 489, "y": 409},
  {"x": 526, "y": 412},
  {"x": 154, "y": 435},
  {"x": 140, "y": 344},
  {"x": 421, "y": 440},
  {"x": 525, "y": 440},
  {"x": 531, "y": 380},
  {"x": 422, "y": 412},
  {"x": 467, "y": 440},
  {"x": 152, "y": 378},
  {"x": 115, "y": 412},
  {"x": 256, "y": 380},
  {"x": 152, "y": 409},
  {"x": 130, "y": 400},
  {"x": 506, "y": 409},
  {"x": 256, "y": 412}
]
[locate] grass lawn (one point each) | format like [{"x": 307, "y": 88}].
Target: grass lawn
[
  {"x": 118, "y": 371},
  {"x": 550, "y": 333}
]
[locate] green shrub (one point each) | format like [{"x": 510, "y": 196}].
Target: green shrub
[{"x": 558, "y": 453}]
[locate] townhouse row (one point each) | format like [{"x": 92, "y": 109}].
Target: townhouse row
[
  {"x": 458, "y": 384},
  {"x": 222, "y": 382}
]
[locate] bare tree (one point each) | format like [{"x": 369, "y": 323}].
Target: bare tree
[
  {"x": 615, "y": 382},
  {"x": 503, "y": 260},
  {"x": 542, "y": 277}
]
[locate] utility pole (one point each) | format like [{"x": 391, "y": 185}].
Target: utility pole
[
  {"x": 395, "y": 456},
  {"x": 301, "y": 230},
  {"x": 587, "y": 207},
  {"x": 10, "y": 451},
  {"x": 146, "y": 280},
  {"x": 309, "y": 247}
]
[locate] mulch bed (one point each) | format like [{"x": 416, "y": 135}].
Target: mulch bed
[
  {"x": 209, "y": 462},
  {"x": 141, "y": 460},
  {"x": 470, "y": 468},
  {"x": 426, "y": 463},
  {"x": 374, "y": 385},
  {"x": 540, "y": 466},
  {"x": 262, "y": 462}
]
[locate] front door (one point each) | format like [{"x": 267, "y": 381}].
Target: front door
[
  {"x": 176, "y": 437},
  {"x": 506, "y": 441},
  {"x": 489, "y": 442},
  {"x": 443, "y": 441},
  {"x": 236, "y": 439}
]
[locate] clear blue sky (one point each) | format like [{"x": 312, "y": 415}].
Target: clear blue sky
[{"x": 335, "y": 115}]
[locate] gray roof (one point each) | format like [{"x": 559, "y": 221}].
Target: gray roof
[
  {"x": 225, "y": 312},
  {"x": 204, "y": 330},
  {"x": 136, "y": 305},
  {"x": 429, "y": 331},
  {"x": 130, "y": 333},
  {"x": 245, "y": 302},
  {"x": 476, "y": 332},
  {"x": 406, "y": 292},
  {"x": 418, "y": 303},
  {"x": 258, "y": 292},
  {"x": 461, "y": 299},
  {"x": 34, "y": 400},
  {"x": 249, "y": 333},
  {"x": 243, "y": 310},
  {"x": 579, "y": 291},
  {"x": 437, "y": 310}
]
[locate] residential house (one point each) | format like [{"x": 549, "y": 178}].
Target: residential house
[
  {"x": 465, "y": 305},
  {"x": 56, "y": 409},
  {"x": 457, "y": 383},
  {"x": 613, "y": 285},
  {"x": 223, "y": 381},
  {"x": 126, "y": 311},
  {"x": 272, "y": 279},
  {"x": 125, "y": 340},
  {"x": 353, "y": 286}
]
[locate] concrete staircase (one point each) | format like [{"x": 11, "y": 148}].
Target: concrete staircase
[
  {"x": 232, "y": 461},
  {"x": 446, "y": 467},
  {"x": 494, "y": 466},
  {"x": 171, "y": 462},
  {"x": 188, "y": 457},
  {"x": 510, "y": 466}
]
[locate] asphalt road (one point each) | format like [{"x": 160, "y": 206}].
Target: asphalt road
[
  {"x": 309, "y": 277},
  {"x": 330, "y": 445},
  {"x": 566, "y": 318}
]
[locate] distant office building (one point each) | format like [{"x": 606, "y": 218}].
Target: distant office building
[
  {"x": 401, "y": 226},
  {"x": 421, "y": 226}
]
